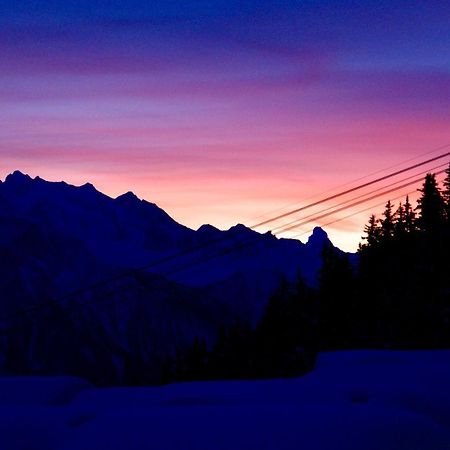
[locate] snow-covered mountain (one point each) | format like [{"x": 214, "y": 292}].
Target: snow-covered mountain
[{"x": 126, "y": 275}]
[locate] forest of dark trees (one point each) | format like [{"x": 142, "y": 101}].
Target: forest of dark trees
[{"x": 396, "y": 296}]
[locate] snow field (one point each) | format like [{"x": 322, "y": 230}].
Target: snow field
[{"x": 354, "y": 400}]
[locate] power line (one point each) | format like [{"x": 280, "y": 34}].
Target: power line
[
  {"x": 193, "y": 249},
  {"x": 221, "y": 239},
  {"x": 221, "y": 252},
  {"x": 352, "y": 214},
  {"x": 354, "y": 204},
  {"x": 348, "y": 191},
  {"x": 442, "y": 147},
  {"x": 159, "y": 262},
  {"x": 356, "y": 198}
]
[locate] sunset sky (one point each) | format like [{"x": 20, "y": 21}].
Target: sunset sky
[{"x": 221, "y": 111}]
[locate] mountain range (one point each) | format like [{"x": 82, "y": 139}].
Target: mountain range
[{"x": 88, "y": 278}]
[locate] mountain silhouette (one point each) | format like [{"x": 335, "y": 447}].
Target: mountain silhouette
[{"x": 125, "y": 273}]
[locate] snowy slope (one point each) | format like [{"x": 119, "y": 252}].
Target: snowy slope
[{"x": 360, "y": 400}]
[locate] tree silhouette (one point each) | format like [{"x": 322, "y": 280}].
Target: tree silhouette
[
  {"x": 281, "y": 344},
  {"x": 398, "y": 297},
  {"x": 335, "y": 298},
  {"x": 400, "y": 221},
  {"x": 284, "y": 338},
  {"x": 446, "y": 194},
  {"x": 372, "y": 232},
  {"x": 387, "y": 223},
  {"x": 410, "y": 216},
  {"x": 430, "y": 206},
  {"x": 403, "y": 280}
]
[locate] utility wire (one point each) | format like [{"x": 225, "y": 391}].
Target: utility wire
[
  {"x": 348, "y": 191},
  {"x": 206, "y": 258},
  {"x": 418, "y": 180},
  {"x": 356, "y": 198},
  {"x": 170, "y": 257},
  {"x": 352, "y": 214},
  {"x": 339, "y": 186},
  {"x": 158, "y": 262}
]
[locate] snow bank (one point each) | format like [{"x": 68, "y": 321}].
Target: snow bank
[
  {"x": 33, "y": 427},
  {"x": 361, "y": 400},
  {"x": 343, "y": 427}
]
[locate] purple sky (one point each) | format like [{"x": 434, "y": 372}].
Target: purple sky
[{"x": 221, "y": 112}]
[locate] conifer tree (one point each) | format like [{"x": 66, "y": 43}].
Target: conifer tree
[
  {"x": 372, "y": 232},
  {"x": 400, "y": 224},
  {"x": 410, "y": 216},
  {"x": 387, "y": 224},
  {"x": 446, "y": 194},
  {"x": 430, "y": 206}
]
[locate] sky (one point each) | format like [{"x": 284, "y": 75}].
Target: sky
[{"x": 222, "y": 111}]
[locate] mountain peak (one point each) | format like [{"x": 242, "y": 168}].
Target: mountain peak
[
  {"x": 128, "y": 197},
  {"x": 18, "y": 177},
  {"x": 240, "y": 229},
  {"x": 88, "y": 186},
  {"x": 318, "y": 237},
  {"x": 207, "y": 228}
]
